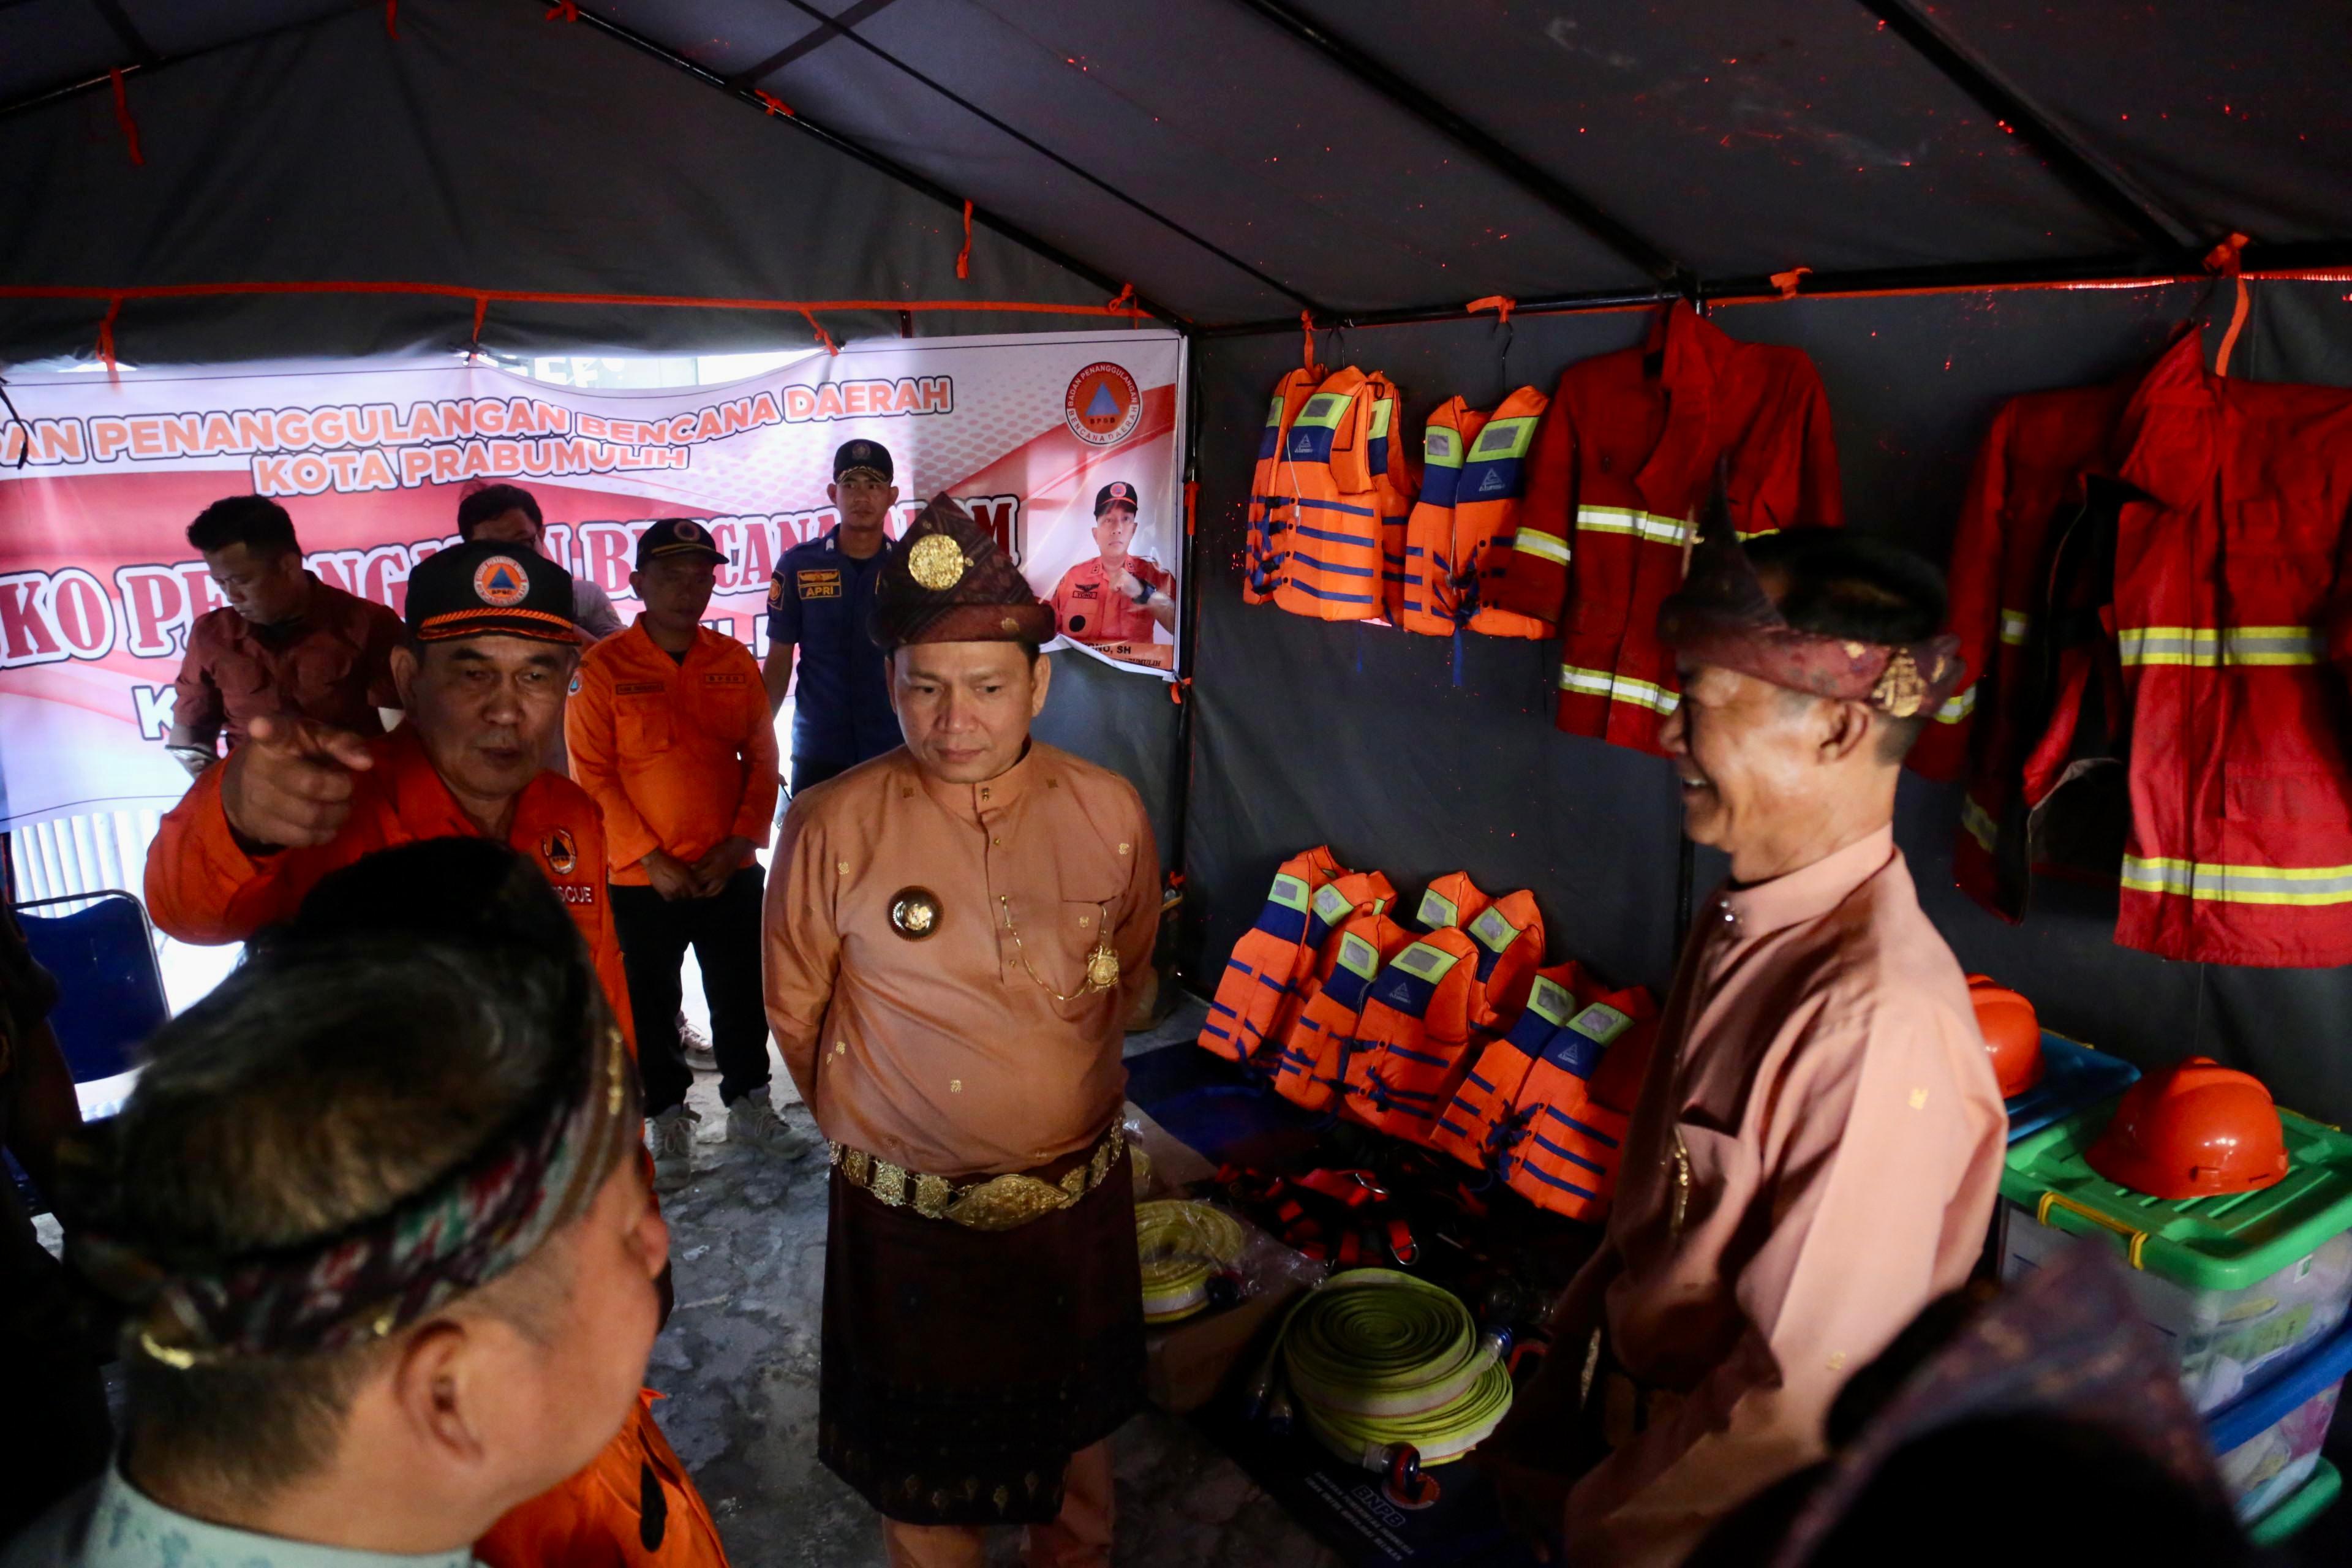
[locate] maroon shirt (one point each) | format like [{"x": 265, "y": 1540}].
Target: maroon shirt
[{"x": 333, "y": 665}]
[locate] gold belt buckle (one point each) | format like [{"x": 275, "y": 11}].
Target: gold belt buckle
[{"x": 1000, "y": 1202}]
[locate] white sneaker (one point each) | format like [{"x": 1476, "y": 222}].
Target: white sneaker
[
  {"x": 699, "y": 1054},
  {"x": 670, "y": 1136},
  {"x": 752, "y": 1121}
]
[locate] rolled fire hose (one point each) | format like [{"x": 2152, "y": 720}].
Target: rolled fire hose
[
  {"x": 1376, "y": 1359},
  {"x": 1183, "y": 1245}
]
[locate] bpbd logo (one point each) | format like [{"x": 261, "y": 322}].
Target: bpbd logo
[{"x": 1103, "y": 405}]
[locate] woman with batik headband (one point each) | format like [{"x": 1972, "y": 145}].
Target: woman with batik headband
[{"x": 384, "y": 1248}]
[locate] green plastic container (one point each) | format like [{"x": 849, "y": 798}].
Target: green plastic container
[
  {"x": 2235, "y": 1282},
  {"x": 2309, "y": 1501}
]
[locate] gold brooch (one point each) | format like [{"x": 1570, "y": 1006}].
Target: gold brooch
[
  {"x": 1900, "y": 691},
  {"x": 915, "y": 912},
  {"x": 936, "y": 562}
]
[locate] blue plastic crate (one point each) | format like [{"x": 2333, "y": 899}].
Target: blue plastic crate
[
  {"x": 2073, "y": 1077},
  {"x": 2268, "y": 1438}
]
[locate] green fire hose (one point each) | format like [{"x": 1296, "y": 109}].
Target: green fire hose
[
  {"x": 1183, "y": 1245},
  {"x": 1376, "y": 1359}
]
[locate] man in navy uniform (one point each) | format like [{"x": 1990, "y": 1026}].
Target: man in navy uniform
[{"x": 818, "y": 604}]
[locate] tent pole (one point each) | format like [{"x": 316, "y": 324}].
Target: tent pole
[
  {"x": 1188, "y": 632},
  {"x": 1571, "y": 205},
  {"x": 2098, "y": 182},
  {"x": 846, "y": 28},
  {"x": 2325, "y": 258}
]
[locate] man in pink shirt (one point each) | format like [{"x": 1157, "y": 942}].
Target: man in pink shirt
[{"x": 1816, "y": 1149}]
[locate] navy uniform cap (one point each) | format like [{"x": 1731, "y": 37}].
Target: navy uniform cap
[
  {"x": 1118, "y": 492},
  {"x": 677, "y": 536},
  {"x": 871, "y": 456},
  {"x": 490, "y": 588}
]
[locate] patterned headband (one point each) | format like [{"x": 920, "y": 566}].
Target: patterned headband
[{"x": 377, "y": 1276}]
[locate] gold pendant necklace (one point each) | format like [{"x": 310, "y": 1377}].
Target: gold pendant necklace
[{"x": 1103, "y": 971}]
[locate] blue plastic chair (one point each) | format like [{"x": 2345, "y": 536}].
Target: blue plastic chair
[{"x": 109, "y": 987}]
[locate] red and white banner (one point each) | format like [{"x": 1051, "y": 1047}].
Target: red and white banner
[{"x": 98, "y": 481}]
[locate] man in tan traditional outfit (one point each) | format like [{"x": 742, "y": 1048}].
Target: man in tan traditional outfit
[
  {"x": 954, "y": 933},
  {"x": 1817, "y": 1146}
]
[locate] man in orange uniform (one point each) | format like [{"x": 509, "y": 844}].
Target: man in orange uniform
[
  {"x": 955, "y": 933},
  {"x": 1115, "y": 597},
  {"x": 482, "y": 679},
  {"x": 1816, "y": 1149},
  {"x": 669, "y": 733}
]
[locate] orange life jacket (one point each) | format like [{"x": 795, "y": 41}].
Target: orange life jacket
[
  {"x": 1331, "y": 567},
  {"x": 634, "y": 1507},
  {"x": 1312, "y": 1064},
  {"x": 1473, "y": 475},
  {"x": 1270, "y": 958},
  {"x": 1420, "y": 1029},
  {"x": 1269, "y": 507},
  {"x": 1472, "y": 1128},
  {"x": 1451, "y": 901},
  {"x": 1395, "y": 484},
  {"x": 1334, "y": 904},
  {"x": 1566, "y": 1143}
]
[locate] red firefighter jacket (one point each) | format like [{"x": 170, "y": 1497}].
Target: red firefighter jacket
[
  {"x": 1623, "y": 463},
  {"x": 2029, "y": 477},
  {"x": 2232, "y": 618}
]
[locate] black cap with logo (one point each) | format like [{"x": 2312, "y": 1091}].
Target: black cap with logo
[
  {"x": 1118, "y": 492},
  {"x": 677, "y": 536},
  {"x": 490, "y": 588},
  {"x": 861, "y": 455}
]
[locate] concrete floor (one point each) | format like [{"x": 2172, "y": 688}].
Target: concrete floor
[{"x": 739, "y": 1361}]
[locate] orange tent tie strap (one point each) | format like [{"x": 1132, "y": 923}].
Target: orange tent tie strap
[
  {"x": 773, "y": 104},
  {"x": 1789, "y": 282},
  {"x": 392, "y": 18},
  {"x": 1307, "y": 341},
  {"x": 481, "y": 309},
  {"x": 106, "y": 339},
  {"x": 1192, "y": 505},
  {"x": 1501, "y": 304},
  {"x": 563, "y": 11},
  {"x": 821, "y": 335},
  {"x": 2226, "y": 259},
  {"x": 1123, "y": 303},
  {"x": 122, "y": 117},
  {"x": 963, "y": 257}
]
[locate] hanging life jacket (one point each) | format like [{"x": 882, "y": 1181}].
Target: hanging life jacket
[
  {"x": 1510, "y": 937},
  {"x": 1473, "y": 477},
  {"x": 1331, "y": 567},
  {"x": 1311, "y": 1066},
  {"x": 1269, "y": 507},
  {"x": 1269, "y": 959}
]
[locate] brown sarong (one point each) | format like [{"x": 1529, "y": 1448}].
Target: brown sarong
[{"x": 962, "y": 1368}]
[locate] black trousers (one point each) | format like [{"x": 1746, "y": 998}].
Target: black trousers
[{"x": 724, "y": 931}]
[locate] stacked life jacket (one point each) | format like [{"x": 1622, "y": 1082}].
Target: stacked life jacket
[
  {"x": 1338, "y": 487},
  {"x": 1472, "y": 474},
  {"x": 1271, "y": 958},
  {"x": 1624, "y": 461},
  {"x": 1312, "y": 1054},
  {"x": 2230, "y": 611},
  {"x": 2026, "y": 493},
  {"x": 1547, "y": 1107},
  {"x": 1419, "y": 1027},
  {"x": 1269, "y": 507},
  {"x": 1335, "y": 903}
]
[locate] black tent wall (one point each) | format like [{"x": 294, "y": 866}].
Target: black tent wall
[{"x": 1359, "y": 736}]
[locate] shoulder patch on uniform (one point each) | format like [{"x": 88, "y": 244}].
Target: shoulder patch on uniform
[{"x": 775, "y": 591}]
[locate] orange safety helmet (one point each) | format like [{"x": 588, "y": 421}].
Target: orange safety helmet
[
  {"x": 2196, "y": 1129},
  {"x": 2012, "y": 1035}
]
